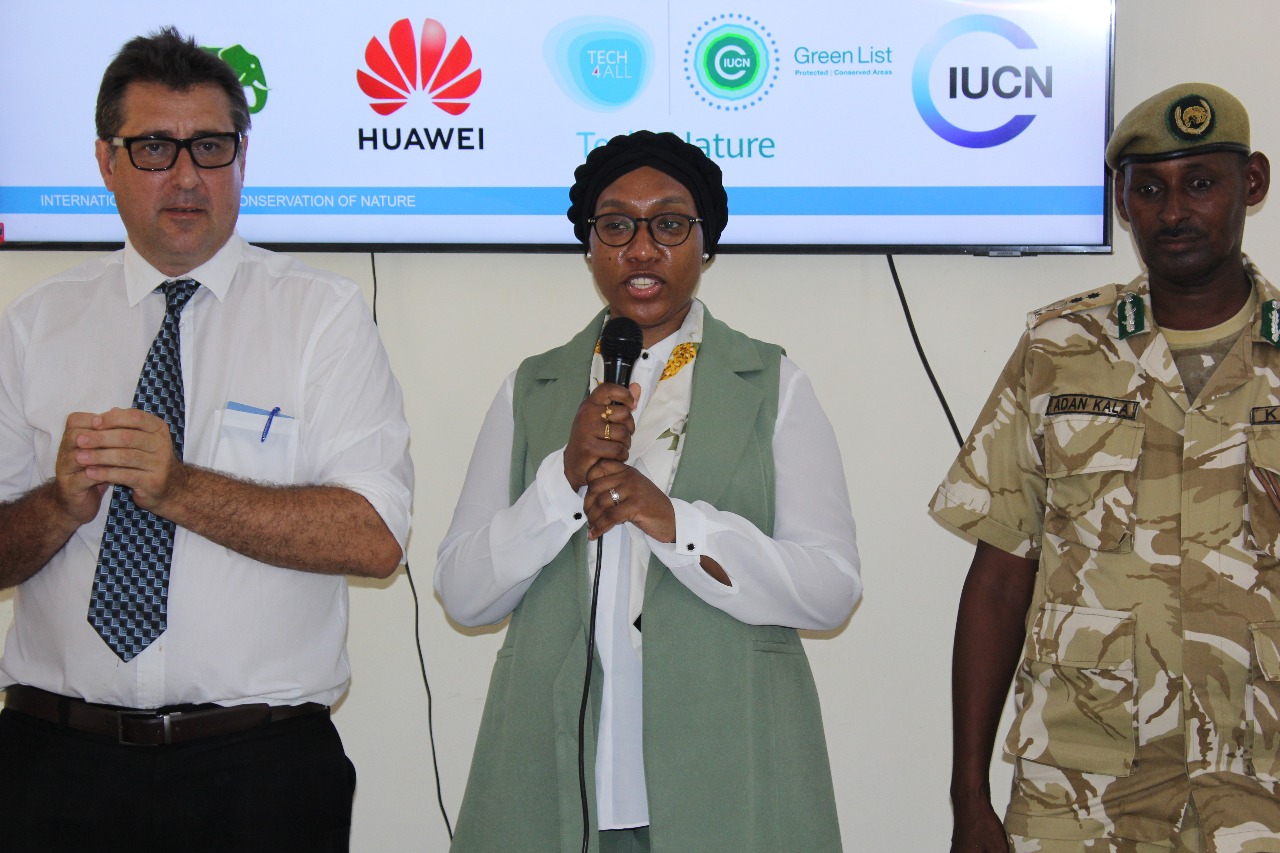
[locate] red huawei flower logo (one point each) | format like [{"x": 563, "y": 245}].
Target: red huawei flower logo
[{"x": 396, "y": 74}]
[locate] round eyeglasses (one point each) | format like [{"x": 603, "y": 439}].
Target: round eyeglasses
[
  {"x": 159, "y": 153},
  {"x": 666, "y": 229}
]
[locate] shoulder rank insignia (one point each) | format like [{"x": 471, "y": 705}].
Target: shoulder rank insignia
[
  {"x": 1270, "y": 328},
  {"x": 1131, "y": 315},
  {"x": 1080, "y": 302}
]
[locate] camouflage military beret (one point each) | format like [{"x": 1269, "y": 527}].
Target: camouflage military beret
[{"x": 1190, "y": 118}]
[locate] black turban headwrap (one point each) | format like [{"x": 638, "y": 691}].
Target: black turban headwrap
[{"x": 665, "y": 152}]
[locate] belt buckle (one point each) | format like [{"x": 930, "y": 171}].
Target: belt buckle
[{"x": 164, "y": 719}]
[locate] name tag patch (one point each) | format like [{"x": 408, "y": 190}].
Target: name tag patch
[
  {"x": 1090, "y": 404},
  {"x": 1264, "y": 415}
]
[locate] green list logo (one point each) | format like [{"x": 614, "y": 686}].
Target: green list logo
[{"x": 732, "y": 58}]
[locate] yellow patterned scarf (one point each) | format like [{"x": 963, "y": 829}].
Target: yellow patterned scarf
[{"x": 659, "y": 439}]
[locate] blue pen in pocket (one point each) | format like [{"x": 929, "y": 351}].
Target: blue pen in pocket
[
  {"x": 254, "y": 410},
  {"x": 271, "y": 417}
]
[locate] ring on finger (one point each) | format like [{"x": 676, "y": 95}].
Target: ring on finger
[
  {"x": 607, "y": 413},
  {"x": 607, "y": 430},
  {"x": 617, "y": 498}
]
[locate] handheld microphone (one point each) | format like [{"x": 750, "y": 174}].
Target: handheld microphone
[
  {"x": 620, "y": 346},
  {"x": 621, "y": 342}
]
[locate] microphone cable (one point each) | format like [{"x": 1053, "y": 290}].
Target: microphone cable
[
  {"x": 417, "y": 617},
  {"x": 621, "y": 342},
  {"x": 586, "y": 693}
]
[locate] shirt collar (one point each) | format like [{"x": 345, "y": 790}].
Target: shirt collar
[
  {"x": 661, "y": 351},
  {"x": 689, "y": 332},
  {"x": 215, "y": 274},
  {"x": 1134, "y": 300}
]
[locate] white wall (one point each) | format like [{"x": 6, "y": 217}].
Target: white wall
[{"x": 455, "y": 324}]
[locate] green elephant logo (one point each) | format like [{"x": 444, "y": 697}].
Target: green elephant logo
[{"x": 249, "y": 68}]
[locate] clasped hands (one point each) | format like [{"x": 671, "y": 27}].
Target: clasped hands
[
  {"x": 595, "y": 457},
  {"x": 126, "y": 447}
]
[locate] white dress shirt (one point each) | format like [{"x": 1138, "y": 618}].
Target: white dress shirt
[
  {"x": 263, "y": 331},
  {"x": 805, "y": 576}
]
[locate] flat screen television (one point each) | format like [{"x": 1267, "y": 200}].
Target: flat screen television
[{"x": 905, "y": 126}]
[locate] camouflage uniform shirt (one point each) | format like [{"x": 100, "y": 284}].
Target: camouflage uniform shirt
[{"x": 1151, "y": 671}]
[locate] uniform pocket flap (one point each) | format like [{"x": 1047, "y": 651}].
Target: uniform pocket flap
[
  {"x": 1266, "y": 648},
  {"x": 1083, "y": 444},
  {"x": 1262, "y": 485},
  {"x": 1084, "y": 637},
  {"x": 1264, "y": 447}
]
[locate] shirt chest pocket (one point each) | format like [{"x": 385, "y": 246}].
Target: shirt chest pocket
[
  {"x": 1091, "y": 469},
  {"x": 256, "y": 446},
  {"x": 1262, "y": 484}
]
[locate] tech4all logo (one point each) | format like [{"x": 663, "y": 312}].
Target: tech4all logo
[
  {"x": 415, "y": 64},
  {"x": 731, "y": 62},
  {"x": 601, "y": 63}
]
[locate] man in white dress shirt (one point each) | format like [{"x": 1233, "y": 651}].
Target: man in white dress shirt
[{"x": 179, "y": 539}]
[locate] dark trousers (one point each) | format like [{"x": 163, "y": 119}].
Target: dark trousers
[{"x": 283, "y": 786}]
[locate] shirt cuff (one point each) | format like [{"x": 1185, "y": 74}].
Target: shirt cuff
[
  {"x": 684, "y": 556},
  {"x": 971, "y": 522},
  {"x": 559, "y": 500}
]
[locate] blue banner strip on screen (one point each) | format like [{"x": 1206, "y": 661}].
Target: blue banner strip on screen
[
  {"x": 916, "y": 201},
  {"x": 552, "y": 201}
]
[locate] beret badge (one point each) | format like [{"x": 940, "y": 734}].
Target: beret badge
[{"x": 1191, "y": 117}]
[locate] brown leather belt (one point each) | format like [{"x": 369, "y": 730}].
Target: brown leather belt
[{"x": 148, "y": 728}]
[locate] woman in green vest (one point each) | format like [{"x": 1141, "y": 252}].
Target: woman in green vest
[{"x": 713, "y": 491}]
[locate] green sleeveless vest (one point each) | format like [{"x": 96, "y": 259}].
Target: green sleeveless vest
[{"x": 735, "y": 757}]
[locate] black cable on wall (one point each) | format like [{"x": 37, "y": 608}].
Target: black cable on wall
[
  {"x": 417, "y": 618},
  {"x": 924, "y": 360}
]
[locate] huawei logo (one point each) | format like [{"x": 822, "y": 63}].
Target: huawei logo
[{"x": 414, "y": 65}]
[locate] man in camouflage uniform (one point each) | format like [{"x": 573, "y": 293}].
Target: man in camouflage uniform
[{"x": 1128, "y": 558}]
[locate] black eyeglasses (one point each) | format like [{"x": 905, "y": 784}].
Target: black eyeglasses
[
  {"x": 159, "y": 153},
  {"x": 666, "y": 229}
]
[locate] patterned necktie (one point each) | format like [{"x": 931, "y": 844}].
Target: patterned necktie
[{"x": 129, "y": 604}]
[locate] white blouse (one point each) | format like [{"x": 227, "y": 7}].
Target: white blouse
[{"x": 805, "y": 576}]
